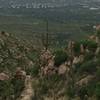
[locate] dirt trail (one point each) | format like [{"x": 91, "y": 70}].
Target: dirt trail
[{"x": 28, "y": 91}]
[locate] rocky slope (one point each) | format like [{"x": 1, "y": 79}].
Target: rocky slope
[{"x": 70, "y": 73}]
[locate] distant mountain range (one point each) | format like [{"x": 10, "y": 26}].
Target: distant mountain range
[
  {"x": 32, "y": 3},
  {"x": 41, "y": 3}
]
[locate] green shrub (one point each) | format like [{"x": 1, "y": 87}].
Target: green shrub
[
  {"x": 92, "y": 45},
  {"x": 97, "y": 91},
  {"x": 89, "y": 66},
  {"x": 98, "y": 73},
  {"x": 89, "y": 56},
  {"x": 70, "y": 92},
  {"x": 48, "y": 85},
  {"x": 60, "y": 57},
  {"x": 18, "y": 86},
  {"x": 33, "y": 55},
  {"x": 83, "y": 92},
  {"x": 77, "y": 48},
  {"x": 34, "y": 70},
  {"x": 91, "y": 88},
  {"x": 6, "y": 90},
  {"x": 43, "y": 87}
]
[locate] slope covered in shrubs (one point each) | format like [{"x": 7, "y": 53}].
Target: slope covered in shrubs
[
  {"x": 71, "y": 73},
  {"x": 76, "y": 69},
  {"x": 15, "y": 64}
]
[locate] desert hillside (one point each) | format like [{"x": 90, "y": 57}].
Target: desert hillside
[{"x": 31, "y": 73}]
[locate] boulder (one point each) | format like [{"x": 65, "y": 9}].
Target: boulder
[
  {"x": 62, "y": 69},
  {"x": 3, "y": 77}
]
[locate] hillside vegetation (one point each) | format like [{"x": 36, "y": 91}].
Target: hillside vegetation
[{"x": 31, "y": 73}]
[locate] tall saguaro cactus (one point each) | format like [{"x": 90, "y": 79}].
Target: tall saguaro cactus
[{"x": 47, "y": 35}]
